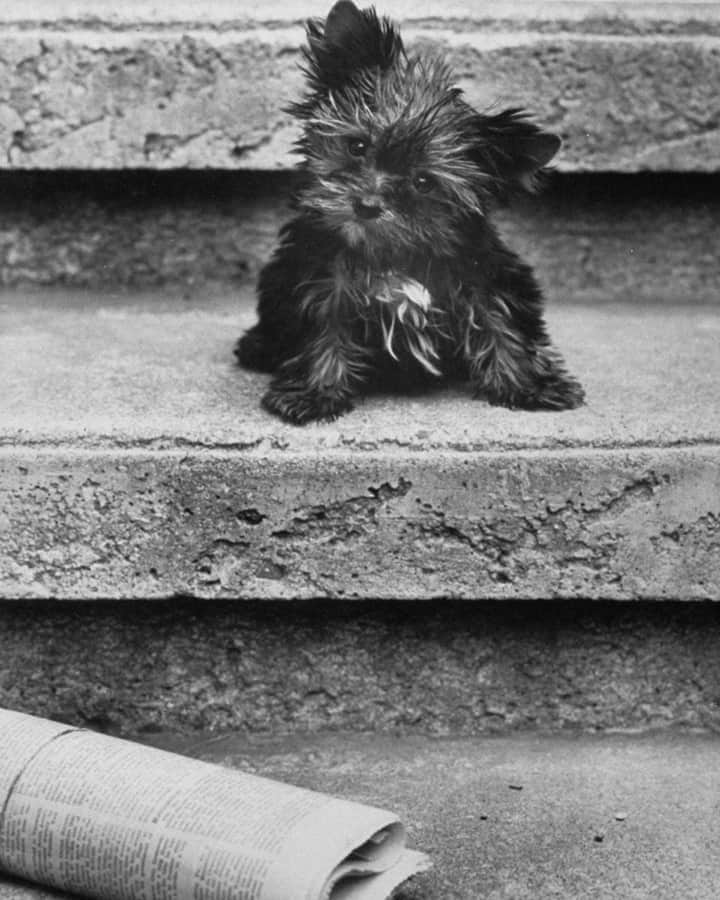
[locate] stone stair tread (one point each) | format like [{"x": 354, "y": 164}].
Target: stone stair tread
[
  {"x": 590, "y": 818},
  {"x": 217, "y": 13},
  {"x": 100, "y": 85},
  {"x": 140, "y": 370},
  {"x": 136, "y": 462}
]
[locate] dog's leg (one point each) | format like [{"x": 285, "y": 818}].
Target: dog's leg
[
  {"x": 319, "y": 384},
  {"x": 507, "y": 355}
]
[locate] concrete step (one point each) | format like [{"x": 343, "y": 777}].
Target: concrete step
[
  {"x": 92, "y": 84},
  {"x": 136, "y": 462},
  {"x": 444, "y": 667},
  {"x": 515, "y": 818},
  {"x": 592, "y": 238}
]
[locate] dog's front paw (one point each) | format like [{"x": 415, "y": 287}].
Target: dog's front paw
[
  {"x": 558, "y": 393},
  {"x": 551, "y": 393},
  {"x": 300, "y": 406}
]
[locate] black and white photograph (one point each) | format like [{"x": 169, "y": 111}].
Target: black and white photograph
[{"x": 359, "y": 450}]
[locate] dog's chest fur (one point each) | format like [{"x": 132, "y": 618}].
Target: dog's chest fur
[{"x": 402, "y": 305}]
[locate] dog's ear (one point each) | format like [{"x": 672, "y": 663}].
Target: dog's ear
[
  {"x": 345, "y": 25},
  {"x": 511, "y": 149},
  {"x": 349, "y": 40}
]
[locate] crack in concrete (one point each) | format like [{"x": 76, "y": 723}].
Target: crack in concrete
[
  {"x": 104, "y": 443},
  {"x": 342, "y": 519},
  {"x": 561, "y": 531}
]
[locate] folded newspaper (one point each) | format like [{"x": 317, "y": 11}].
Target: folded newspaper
[{"x": 114, "y": 820}]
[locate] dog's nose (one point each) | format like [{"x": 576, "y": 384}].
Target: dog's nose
[{"x": 366, "y": 210}]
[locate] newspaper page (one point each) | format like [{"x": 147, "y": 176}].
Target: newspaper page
[{"x": 114, "y": 820}]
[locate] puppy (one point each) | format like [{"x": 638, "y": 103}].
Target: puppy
[{"x": 390, "y": 271}]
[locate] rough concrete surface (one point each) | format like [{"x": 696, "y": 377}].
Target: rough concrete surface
[
  {"x": 117, "y": 230},
  {"x": 143, "y": 370},
  {"x": 614, "y": 15},
  {"x": 138, "y": 463},
  {"x": 592, "y": 238},
  {"x": 440, "y": 668},
  {"x": 628, "y": 88},
  {"x": 516, "y": 819}
]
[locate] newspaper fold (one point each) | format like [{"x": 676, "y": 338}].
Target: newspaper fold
[{"x": 114, "y": 820}]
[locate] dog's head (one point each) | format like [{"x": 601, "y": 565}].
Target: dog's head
[{"x": 393, "y": 154}]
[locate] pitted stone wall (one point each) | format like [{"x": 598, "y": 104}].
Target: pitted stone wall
[
  {"x": 84, "y": 86},
  {"x": 442, "y": 668},
  {"x": 591, "y": 238}
]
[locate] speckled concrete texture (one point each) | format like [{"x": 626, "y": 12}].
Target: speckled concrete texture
[
  {"x": 103, "y": 370},
  {"x": 591, "y": 238},
  {"x": 137, "y": 462},
  {"x": 627, "y": 87},
  {"x": 441, "y": 668},
  {"x": 525, "y": 818}
]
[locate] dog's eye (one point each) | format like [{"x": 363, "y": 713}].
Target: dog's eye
[
  {"x": 357, "y": 146},
  {"x": 423, "y": 183}
]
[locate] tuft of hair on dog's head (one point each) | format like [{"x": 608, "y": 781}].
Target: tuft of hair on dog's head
[
  {"x": 347, "y": 42},
  {"x": 393, "y": 154}
]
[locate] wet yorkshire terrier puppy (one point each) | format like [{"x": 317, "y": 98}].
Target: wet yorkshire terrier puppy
[{"x": 390, "y": 272}]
